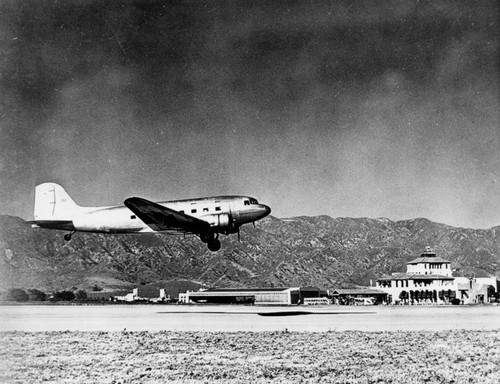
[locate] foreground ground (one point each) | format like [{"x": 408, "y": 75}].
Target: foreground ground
[{"x": 240, "y": 357}]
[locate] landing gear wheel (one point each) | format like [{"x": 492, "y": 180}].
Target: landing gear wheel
[
  {"x": 214, "y": 245},
  {"x": 67, "y": 236}
]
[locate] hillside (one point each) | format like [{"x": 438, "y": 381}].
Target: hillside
[{"x": 320, "y": 251}]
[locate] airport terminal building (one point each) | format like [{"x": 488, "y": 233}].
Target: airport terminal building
[{"x": 428, "y": 280}]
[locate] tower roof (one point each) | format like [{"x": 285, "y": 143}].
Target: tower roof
[{"x": 429, "y": 257}]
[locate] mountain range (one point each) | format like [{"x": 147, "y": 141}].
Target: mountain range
[{"x": 301, "y": 251}]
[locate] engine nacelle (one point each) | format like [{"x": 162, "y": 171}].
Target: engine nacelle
[{"x": 222, "y": 221}]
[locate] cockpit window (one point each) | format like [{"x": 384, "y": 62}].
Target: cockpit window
[
  {"x": 253, "y": 201},
  {"x": 246, "y": 202}
]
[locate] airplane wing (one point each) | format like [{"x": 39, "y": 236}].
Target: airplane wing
[{"x": 160, "y": 218}]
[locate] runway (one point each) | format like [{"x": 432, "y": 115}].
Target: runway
[{"x": 233, "y": 318}]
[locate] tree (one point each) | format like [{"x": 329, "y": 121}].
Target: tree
[
  {"x": 81, "y": 295},
  {"x": 17, "y": 294},
  {"x": 64, "y": 296},
  {"x": 36, "y": 295}
]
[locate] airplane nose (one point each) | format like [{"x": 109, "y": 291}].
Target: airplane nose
[
  {"x": 267, "y": 210},
  {"x": 251, "y": 213}
]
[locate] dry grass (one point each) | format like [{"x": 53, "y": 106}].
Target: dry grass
[{"x": 241, "y": 357}]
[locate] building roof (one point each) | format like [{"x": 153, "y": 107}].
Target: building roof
[
  {"x": 406, "y": 276},
  {"x": 429, "y": 259},
  {"x": 242, "y": 290},
  {"x": 358, "y": 291}
]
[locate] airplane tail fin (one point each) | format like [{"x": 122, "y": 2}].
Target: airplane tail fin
[{"x": 52, "y": 202}]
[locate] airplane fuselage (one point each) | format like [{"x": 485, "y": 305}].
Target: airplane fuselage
[
  {"x": 205, "y": 217},
  {"x": 225, "y": 214}
]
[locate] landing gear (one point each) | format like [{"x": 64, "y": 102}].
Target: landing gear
[
  {"x": 212, "y": 241},
  {"x": 67, "y": 236},
  {"x": 207, "y": 237},
  {"x": 214, "y": 245}
]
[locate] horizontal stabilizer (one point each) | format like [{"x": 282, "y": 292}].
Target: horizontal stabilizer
[{"x": 66, "y": 225}]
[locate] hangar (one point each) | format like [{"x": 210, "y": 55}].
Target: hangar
[{"x": 270, "y": 296}]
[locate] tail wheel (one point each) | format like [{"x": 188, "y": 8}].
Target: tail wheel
[
  {"x": 214, "y": 245},
  {"x": 67, "y": 236}
]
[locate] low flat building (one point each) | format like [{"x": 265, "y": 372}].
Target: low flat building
[
  {"x": 262, "y": 296},
  {"x": 144, "y": 294},
  {"x": 476, "y": 290}
]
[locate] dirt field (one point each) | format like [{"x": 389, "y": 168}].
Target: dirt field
[{"x": 241, "y": 357}]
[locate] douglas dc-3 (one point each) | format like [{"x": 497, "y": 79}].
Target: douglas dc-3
[{"x": 204, "y": 217}]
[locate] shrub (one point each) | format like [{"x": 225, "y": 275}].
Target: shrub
[
  {"x": 64, "y": 296},
  {"x": 36, "y": 295},
  {"x": 17, "y": 294},
  {"x": 455, "y": 301},
  {"x": 81, "y": 295}
]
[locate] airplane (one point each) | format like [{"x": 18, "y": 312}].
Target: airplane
[{"x": 205, "y": 217}]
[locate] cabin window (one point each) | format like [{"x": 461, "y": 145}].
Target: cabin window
[
  {"x": 217, "y": 209},
  {"x": 193, "y": 210},
  {"x": 205, "y": 209},
  {"x": 133, "y": 217}
]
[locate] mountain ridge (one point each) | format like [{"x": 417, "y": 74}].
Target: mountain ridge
[{"x": 306, "y": 250}]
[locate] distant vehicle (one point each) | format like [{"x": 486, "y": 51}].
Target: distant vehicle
[
  {"x": 364, "y": 301},
  {"x": 316, "y": 301},
  {"x": 205, "y": 217}
]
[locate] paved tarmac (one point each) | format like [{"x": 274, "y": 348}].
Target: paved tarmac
[{"x": 234, "y": 318}]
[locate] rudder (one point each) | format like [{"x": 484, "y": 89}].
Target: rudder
[{"x": 52, "y": 202}]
